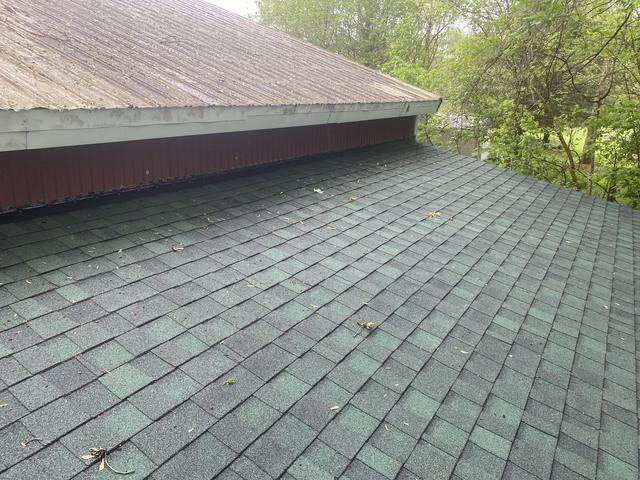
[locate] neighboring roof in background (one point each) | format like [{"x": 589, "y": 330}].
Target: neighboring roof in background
[
  {"x": 505, "y": 344},
  {"x": 456, "y": 122},
  {"x": 97, "y": 54},
  {"x": 77, "y": 72}
]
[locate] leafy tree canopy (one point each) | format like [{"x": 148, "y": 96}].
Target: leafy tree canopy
[{"x": 550, "y": 88}]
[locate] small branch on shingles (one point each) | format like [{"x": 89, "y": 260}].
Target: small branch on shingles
[
  {"x": 34, "y": 439},
  {"x": 100, "y": 454}
]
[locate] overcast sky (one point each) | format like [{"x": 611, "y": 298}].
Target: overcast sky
[{"x": 243, "y": 7}]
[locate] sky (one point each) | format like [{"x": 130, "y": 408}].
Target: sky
[{"x": 243, "y": 7}]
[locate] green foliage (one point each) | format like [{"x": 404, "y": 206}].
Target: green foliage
[
  {"x": 359, "y": 29},
  {"x": 549, "y": 88}
]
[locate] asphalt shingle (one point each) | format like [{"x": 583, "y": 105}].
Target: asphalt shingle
[{"x": 241, "y": 356}]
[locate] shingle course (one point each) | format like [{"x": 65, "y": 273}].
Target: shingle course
[{"x": 490, "y": 358}]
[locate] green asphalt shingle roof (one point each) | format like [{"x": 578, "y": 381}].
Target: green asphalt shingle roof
[{"x": 505, "y": 344}]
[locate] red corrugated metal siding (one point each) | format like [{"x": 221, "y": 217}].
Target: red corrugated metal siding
[{"x": 46, "y": 176}]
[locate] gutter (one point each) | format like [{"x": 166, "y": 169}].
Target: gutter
[{"x": 40, "y": 128}]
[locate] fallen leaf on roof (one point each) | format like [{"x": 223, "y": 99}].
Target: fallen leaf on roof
[
  {"x": 318, "y": 190},
  {"x": 2, "y": 405},
  {"x": 313, "y": 306},
  {"x": 365, "y": 326},
  {"x": 229, "y": 381},
  {"x": 120, "y": 252},
  {"x": 178, "y": 248},
  {"x": 335, "y": 408},
  {"x": 352, "y": 199},
  {"x": 101, "y": 455},
  {"x": 434, "y": 214},
  {"x": 464, "y": 352},
  {"x": 606, "y": 307},
  {"x": 28, "y": 281},
  {"x": 368, "y": 325}
]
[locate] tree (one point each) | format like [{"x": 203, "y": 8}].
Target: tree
[
  {"x": 359, "y": 29},
  {"x": 550, "y": 87}
]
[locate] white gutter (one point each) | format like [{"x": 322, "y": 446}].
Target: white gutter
[{"x": 33, "y": 129}]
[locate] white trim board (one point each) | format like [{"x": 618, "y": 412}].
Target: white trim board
[{"x": 34, "y": 129}]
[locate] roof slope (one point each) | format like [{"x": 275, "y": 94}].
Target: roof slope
[
  {"x": 505, "y": 346},
  {"x": 88, "y": 54}
]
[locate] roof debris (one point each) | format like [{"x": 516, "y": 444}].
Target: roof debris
[
  {"x": 34, "y": 439},
  {"x": 100, "y": 454}
]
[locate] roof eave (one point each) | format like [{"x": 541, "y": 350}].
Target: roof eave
[{"x": 35, "y": 129}]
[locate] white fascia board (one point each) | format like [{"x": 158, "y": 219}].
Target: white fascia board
[{"x": 33, "y": 129}]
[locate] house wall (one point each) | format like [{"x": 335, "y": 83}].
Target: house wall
[{"x": 30, "y": 178}]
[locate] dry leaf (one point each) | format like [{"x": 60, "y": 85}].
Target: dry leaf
[
  {"x": 313, "y": 306},
  {"x": 101, "y": 454},
  {"x": 463, "y": 352},
  {"x": 178, "y": 248},
  {"x": 335, "y": 408},
  {"x": 229, "y": 381},
  {"x": 434, "y": 214},
  {"x": 318, "y": 190},
  {"x": 2, "y": 405}
]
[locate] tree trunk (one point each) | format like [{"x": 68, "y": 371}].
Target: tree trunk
[
  {"x": 588, "y": 151},
  {"x": 569, "y": 153}
]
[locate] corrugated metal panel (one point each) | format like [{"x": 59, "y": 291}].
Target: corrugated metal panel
[
  {"x": 72, "y": 54},
  {"x": 45, "y": 176}
]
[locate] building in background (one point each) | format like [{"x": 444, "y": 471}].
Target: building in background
[{"x": 162, "y": 90}]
